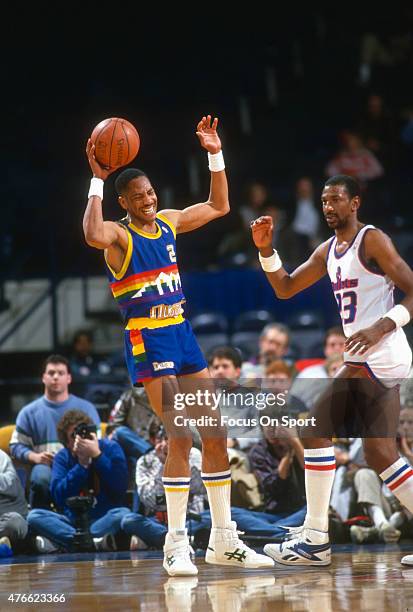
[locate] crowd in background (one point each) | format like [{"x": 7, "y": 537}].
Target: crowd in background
[{"x": 60, "y": 452}]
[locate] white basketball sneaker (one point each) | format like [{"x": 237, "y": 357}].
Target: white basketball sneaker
[
  {"x": 225, "y": 548},
  {"x": 177, "y": 554},
  {"x": 303, "y": 546}
]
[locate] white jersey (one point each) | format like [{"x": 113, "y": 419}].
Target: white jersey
[{"x": 364, "y": 296}]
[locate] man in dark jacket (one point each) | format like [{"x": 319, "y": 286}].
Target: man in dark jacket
[
  {"x": 86, "y": 466},
  {"x": 278, "y": 463}
]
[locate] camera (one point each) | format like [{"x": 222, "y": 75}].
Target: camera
[
  {"x": 82, "y": 539},
  {"x": 84, "y": 430}
]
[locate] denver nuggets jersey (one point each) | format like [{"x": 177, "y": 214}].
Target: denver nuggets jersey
[
  {"x": 148, "y": 287},
  {"x": 363, "y": 297}
]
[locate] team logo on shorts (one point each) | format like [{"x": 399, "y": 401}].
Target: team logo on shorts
[{"x": 162, "y": 365}]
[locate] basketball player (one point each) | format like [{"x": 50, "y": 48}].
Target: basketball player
[
  {"x": 161, "y": 351},
  {"x": 364, "y": 267}
]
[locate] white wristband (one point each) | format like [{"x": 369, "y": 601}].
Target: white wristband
[
  {"x": 272, "y": 263},
  {"x": 399, "y": 314},
  {"x": 216, "y": 162},
  {"x": 96, "y": 188}
]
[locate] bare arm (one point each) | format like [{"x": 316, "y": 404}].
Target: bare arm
[
  {"x": 286, "y": 285},
  {"x": 217, "y": 205},
  {"x": 98, "y": 233},
  {"x": 379, "y": 249}
]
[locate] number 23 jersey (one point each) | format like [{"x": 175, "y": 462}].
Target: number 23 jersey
[{"x": 364, "y": 294}]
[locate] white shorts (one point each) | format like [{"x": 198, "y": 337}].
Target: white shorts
[{"x": 389, "y": 361}]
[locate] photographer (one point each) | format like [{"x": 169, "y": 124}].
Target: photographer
[{"x": 89, "y": 467}]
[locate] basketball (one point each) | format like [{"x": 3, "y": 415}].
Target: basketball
[{"x": 116, "y": 142}]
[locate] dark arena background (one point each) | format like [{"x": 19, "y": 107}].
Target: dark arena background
[{"x": 300, "y": 96}]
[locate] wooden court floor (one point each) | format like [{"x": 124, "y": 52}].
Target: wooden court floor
[{"x": 368, "y": 578}]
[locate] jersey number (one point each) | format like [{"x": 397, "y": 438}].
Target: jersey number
[
  {"x": 171, "y": 251},
  {"x": 347, "y": 302}
]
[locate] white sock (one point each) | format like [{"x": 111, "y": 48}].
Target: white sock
[
  {"x": 176, "y": 493},
  {"x": 320, "y": 468},
  {"x": 376, "y": 514},
  {"x": 398, "y": 478},
  {"x": 218, "y": 486}
]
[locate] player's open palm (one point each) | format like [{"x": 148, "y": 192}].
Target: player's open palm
[
  {"x": 208, "y": 135},
  {"x": 262, "y": 230}
]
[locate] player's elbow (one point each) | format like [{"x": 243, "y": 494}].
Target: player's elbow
[{"x": 94, "y": 240}]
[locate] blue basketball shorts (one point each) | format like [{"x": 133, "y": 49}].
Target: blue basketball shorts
[{"x": 170, "y": 350}]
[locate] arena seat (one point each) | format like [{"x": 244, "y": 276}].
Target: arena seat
[
  {"x": 209, "y": 323},
  {"x": 253, "y": 320},
  {"x": 6, "y": 433}
]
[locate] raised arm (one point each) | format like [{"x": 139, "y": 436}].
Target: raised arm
[
  {"x": 98, "y": 233},
  {"x": 286, "y": 285},
  {"x": 380, "y": 250},
  {"x": 217, "y": 205}
]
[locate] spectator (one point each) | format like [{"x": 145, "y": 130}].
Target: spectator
[
  {"x": 376, "y": 127},
  {"x": 279, "y": 377},
  {"x": 85, "y": 466},
  {"x": 83, "y": 362},
  {"x": 355, "y": 160},
  {"x": 132, "y": 416},
  {"x": 35, "y": 440},
  {"x": 258, "y": 199},
  {"x": 357, "y": 489},
  {"x": 311, "y": 381},
  {"x": 92, "y": 373},
  {"x": 278, "y": 463},
  {"x": 273, "y": 344},
  {"x": 305, "y": 216},
  {"x": 13, "y": 506},
  {"x": 225, "y": 368}
]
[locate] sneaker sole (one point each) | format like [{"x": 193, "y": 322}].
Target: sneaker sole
[
  {"x": 213, "y": 561},
  {"x": 189, "y": 572}
]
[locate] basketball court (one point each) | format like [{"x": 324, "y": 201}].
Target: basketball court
[{"x": 368, "y": 578}]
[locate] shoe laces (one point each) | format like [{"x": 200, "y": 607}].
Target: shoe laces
[{"x": 293, "y": 533}]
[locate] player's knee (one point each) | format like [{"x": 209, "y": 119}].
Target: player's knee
[{"x": 180, "y": 446}]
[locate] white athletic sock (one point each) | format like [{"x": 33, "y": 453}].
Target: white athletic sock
[
  {"x": 218, "y": 486},
  {"x": 176, "y": 493},
  {"x": 377, "y": 515},
  {"x": 320, "y": 468},
  {"x": 398, "y": 478}
]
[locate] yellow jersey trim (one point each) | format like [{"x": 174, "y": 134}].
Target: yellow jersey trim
[
  {"x": 168, "y": 223},
  {"x": 126, "y": 261},
  {"x": 147, "y": 234},
  {"x": 148, "y": 323}
]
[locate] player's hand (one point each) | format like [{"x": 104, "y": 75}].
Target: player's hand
[
  {"x": 360, "y": 342},
  {"x": 262, "y": 230},
  {"x": 207, "y": 134},
  {"x": 98, "y": 170}
]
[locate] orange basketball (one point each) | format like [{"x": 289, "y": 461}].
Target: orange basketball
[{"x": 116, "y": 142}]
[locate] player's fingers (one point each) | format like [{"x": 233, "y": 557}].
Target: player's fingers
[
  {"x": 215, "y": 123},
  {"x": 208, "y": 121},
  {"x": 200, "y": 125}
]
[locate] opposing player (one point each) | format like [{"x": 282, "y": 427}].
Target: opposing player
[
  {"x": 363, "y": 266},
  {"x": 161, "y": 351}
]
